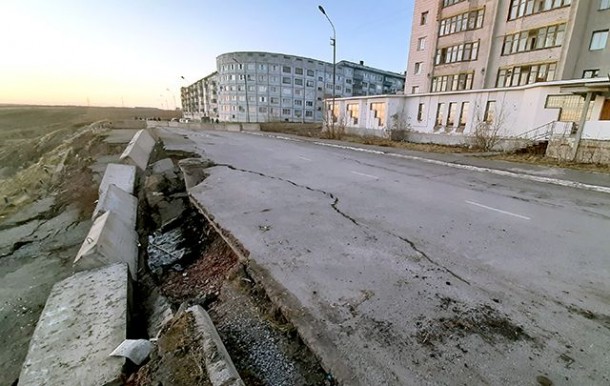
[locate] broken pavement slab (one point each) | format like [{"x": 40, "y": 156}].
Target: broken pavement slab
[
  {"x": 123, "y": 204},
  {"x": 83, "y": 321},
  {"x": 123, "y": 176},
  {"x": 138, "y": 150},
  {"x": 109, "y": 241}
]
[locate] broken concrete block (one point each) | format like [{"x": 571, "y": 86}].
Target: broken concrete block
[
  {"x": 123, "y": 176},
  {"x": 109, "y": 241},
  {"x": 218, "y": 363},
  {"x": 193, "y": 170},
  {"x": 123, "y": 204},
  {"x": 138, "y": 150},
  {"x": 136, "y": 350},
  {"x": 164, "y": 167},
  {"x": 84, "y": 319}
]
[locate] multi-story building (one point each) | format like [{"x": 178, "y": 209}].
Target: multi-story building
[
  {"x": 264, "y": 86},
  {"x": 473, "y": 44},
  {"x": 200, "y": 99}
]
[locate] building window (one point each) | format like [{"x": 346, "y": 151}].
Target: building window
[
  {"x": 298, "y": 81},
  {"x": 353, "y": 111},
  {"x": 417, "y": 69},
  {"x": 604, "y": 4},
  {"x": 308, "y": 113},
  {"x": 309, "y": 103},
  {"x": 452, "y": 113},
  {"x": 309, "y": 83},
  {"x": 287, "y": 101},
  {"x": 570, "y": 107},
  {"x": 298, "y": 102},
  {"x": 447, "y": 3},
  {"x": 464, "y": 113},
  {"x": 262, "y": 99},
  {"x": 378, "y": 109},
  {"x": 252, "y": 88},
  {"x": 414, "y": 89},
  {"x": 275, "y": 100},
  {"x": 522, "y": 75},
  {"x": 286, "y": 69},
  {"x": 459, "y": 53},
  {"x": 521, "y": 8},
  {"x": 490, "y": 112},
  {"x": 467, "y": 21},
  {"x": 348, "y": 90},
  {"x": 598, "y": 40},
  {"x": 262, "y": 88},
  {"x": 424, "y": 18},
  {"x": 420, "y": 112},
  {"x": 440, "y": 114},
  {"x": 286, "y": 80},
  {"x": 421, "y": 44},
  {"x": 310, "y": 73},
  {"x": 455, "y": 82},
  {"x": 591, "y": 73},
  {"x": 297, "y": 113},
  {"x": 285, "y": 111},
  {"x": 534, "y": 39},
  {"x": 262, "y": 110}
]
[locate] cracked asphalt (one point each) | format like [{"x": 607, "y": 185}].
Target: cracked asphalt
[{"x": 397, "y": 271}]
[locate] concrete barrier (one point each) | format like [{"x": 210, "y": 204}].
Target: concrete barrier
[
  {"x": 232, "y": 127},
  {"x": 123, "y": 176},
  {"x": 138, "y": 150},
  {"x": 123, "y": 204},
  {"x": 84, "y": 319},
  {"x": 109, "y": 241},
  {"x": 250, "y": 127}
]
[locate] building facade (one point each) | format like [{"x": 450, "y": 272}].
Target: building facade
[
  {"x": 266, "y": 87},
  {"x": 475, "y": 44}
]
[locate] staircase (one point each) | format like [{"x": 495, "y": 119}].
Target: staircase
[{"x": 537, "y": 139}]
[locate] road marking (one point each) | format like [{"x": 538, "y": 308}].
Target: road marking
[
  {"x": 497, "y": 210},
  {"x": 304, "y": 158},
  {"x": 365, "y": 175}
]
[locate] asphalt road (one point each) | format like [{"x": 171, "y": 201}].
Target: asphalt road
[{"x": 404, "y": 272}]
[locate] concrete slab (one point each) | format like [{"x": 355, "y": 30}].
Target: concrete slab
[
  {"x": 250, "y": 127},
  {"x": 164, "y": 167},
  {"x": 138, "y": 150},
  {"x": 123, "y": 204},
  {"x": 233, "y": 127},
  {"x": 123, "y": 176},
  {"x": 109, "y": 241},
  {"x": 84, "y": 319}
]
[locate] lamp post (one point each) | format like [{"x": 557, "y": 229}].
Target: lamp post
[
  {"x": 246, "y": 89},
  {"x": 333, "y": 42}
]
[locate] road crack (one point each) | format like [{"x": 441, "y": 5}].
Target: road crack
[
  {"x": 430, "y": 260},
  {"x": 330, "y": 195}
]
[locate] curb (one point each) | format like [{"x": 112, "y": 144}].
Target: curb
[
  {"x": 505, "y": 173},
  {"x": 218, "y": 363}
]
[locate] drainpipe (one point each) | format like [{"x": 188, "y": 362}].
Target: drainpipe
[{"x": 581, "y": 126}]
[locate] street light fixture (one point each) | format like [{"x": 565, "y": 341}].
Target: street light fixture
[
  {"x": 246, "y": 88},
  {"x": 333, "y": 42}
]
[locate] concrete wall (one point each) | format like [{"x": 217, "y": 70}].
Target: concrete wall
[
  {"x": 589, "y": 151},
  {"x": 139, "y": 149},
  {"x": 206, "y": 126}
]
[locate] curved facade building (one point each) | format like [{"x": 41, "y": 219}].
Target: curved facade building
[{"x": 267, "y": 87}]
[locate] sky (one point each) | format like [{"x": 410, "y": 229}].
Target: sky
[{"x": 135, "y": 52}]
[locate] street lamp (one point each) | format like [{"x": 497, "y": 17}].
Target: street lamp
[
  {"x": 333, "y": 42},
  {"x": 246, "y": 88}
]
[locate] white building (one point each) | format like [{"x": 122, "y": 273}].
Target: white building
[{"x": 265, "y": 86}]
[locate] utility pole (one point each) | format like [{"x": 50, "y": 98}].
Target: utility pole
[{"x": 333, "y": 42}]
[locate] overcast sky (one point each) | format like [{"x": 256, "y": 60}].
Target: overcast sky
[{"x": 131, "y": 52}]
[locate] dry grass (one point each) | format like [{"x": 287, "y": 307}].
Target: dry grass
[
  {"x": 537, "y": 159},
  {"x": 303, "y": 129},
  {"x": 424, "y": 147}
]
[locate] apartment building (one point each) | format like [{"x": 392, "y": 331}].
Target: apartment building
[
  {"x": 265, "y": 86},
  {"x": 474, "y": 44},
  {"x": 200, "y": 99}
]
